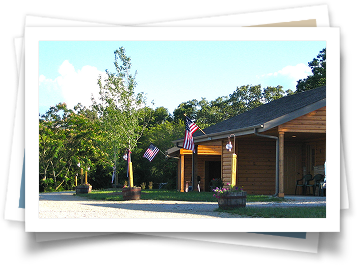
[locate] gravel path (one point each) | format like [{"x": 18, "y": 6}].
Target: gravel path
[{"x": 65, "y": 205}]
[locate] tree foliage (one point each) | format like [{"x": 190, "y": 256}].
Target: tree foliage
[
  {"x": 318, "y": 77},
  {"x": 67, "y": 138},
  {"x": 122, "y": 114},
  {"x": 242, "y": 99}
]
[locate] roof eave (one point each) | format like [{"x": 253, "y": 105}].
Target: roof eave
[
  {"x": 293, "y": 115},
  {"x": 225, "y": 134}
]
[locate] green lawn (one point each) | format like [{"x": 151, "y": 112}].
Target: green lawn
[
  {"x": 256, "y": 212},
  {"x": 171, "y": 196},
  {"x": 280, "y": 212}
]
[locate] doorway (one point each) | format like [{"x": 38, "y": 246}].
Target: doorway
[
  {"x": 292, "y": 166},
  {"x": 212, "y": 171},
  {"x": 310, "y": 158}
]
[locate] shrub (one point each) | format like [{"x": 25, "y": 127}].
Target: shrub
[
  {"x": 216, "y": 183},
  {"x": 150, "y": 185}
]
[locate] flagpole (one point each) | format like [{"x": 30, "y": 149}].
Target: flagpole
[
  {"x": 194, "y": 154},
  {"x": 127, "y": 161},
  {"x": 130, "y": 170},
  {"x": 197, "y": 126}
]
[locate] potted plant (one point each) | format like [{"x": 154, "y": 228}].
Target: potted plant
[
  {"x": 83, "y": 188},
  {"x": 214, "y": 183},
  {"x": 230, "y": 197},
  {"x": 150, "y": 185},
  {"x": 131, "y": 193}
]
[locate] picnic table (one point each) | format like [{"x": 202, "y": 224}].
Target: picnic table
[{"x": 162, "y": 184}]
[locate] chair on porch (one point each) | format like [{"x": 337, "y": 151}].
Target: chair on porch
[
  {"x": 303, "y": 183},
  {"x": 318, "y": 180},
  {"x": 309, "y": 185}
]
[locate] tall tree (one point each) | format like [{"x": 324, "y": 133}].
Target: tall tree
[
  {"x": 122, "y": 113},
  {"x": 271, "y": 93},
  {"x": 318, "y": 77},
  {"x": 189, "y": 108},
  {"x": 244, "y": 98}
]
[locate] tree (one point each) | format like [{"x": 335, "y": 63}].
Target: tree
[
  {"x": 160, "y": 169},
  {"x": 318, "y": 77},
  {"x": 158, "y": 116},
  {"x": 122, "y": 114},
  {"x": 244, "y": 98},
  {"x": 272, "y": 93},
  {"x": 66, "y": 138},
  {"x": 189, "y": 108}
]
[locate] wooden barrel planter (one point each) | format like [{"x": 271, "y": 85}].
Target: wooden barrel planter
[
  {"x": 83, "y": 189},
  {"x": 131, "y": 193},
  {"x": 233, "y": 200}
]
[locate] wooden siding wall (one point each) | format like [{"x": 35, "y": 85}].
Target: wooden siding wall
[
  {"x": 256, "y": 165},
  {"x": 314, "y": 122},
  {"x": 226, "y": 163},
  {"x": 320, "y": 146},
  {"x": 204, "y": 150},
  {"x": 320, "y": 154},
  {"x": 292, "y": 165}
]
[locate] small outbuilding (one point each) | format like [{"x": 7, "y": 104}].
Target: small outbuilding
[{"x": 272, "y": 146}]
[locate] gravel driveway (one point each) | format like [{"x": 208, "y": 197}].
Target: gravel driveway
[{"x": 65, "y": 205}]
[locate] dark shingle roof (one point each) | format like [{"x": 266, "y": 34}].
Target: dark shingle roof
[{"x": 268, "y": 112}]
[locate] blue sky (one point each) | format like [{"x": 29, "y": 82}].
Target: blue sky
[{"x": 171, "y": 72}]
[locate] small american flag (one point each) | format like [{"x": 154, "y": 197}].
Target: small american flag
[
  {"x": 191, "y": 127},
  {"x": 151, "y": 152}
]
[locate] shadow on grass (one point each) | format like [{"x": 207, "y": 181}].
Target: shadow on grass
[
  {"x": 166, "y": 195},
  {"x": 280, "y": 212}
]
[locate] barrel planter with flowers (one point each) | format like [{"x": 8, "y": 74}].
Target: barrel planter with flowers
[
  {"x": 84, "y": 188},
  {"x": 131, "y": 193},
  {"x": 231, "y": 197},
  {"x": 233, "y": 200}
]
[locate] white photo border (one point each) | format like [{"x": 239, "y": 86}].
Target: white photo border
[{"x": 35, "y": 34}]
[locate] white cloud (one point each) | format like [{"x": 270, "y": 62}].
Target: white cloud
[
  {"x": 287, "y": 77},
  {"x": 296, "y": 72},
  {"x": 66, "y": 69},
  {"x": 42, "y": 78},
  {"x": 73, "y": 86},
  {"x": 49, "y": 93}
]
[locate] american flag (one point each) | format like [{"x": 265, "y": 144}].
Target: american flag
[
  {"x": 151, "y": 152},
  {"x": 191, "y": 127}
]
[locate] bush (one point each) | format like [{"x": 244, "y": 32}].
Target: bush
[
  {"x": 47, "y": 185},
  {"x": 150, "y": 185},
  {"x": 171, "y": 184},
  {"x": 216, "y": 183}
]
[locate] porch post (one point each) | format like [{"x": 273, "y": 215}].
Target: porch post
[
  {"x": 234, "y": 164},
  {"x": 234, "y": 170},
  {"x": 194, "y": 166},
  {"x": 182, "y": 173},
  {"x": 281, "y": 164}
]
